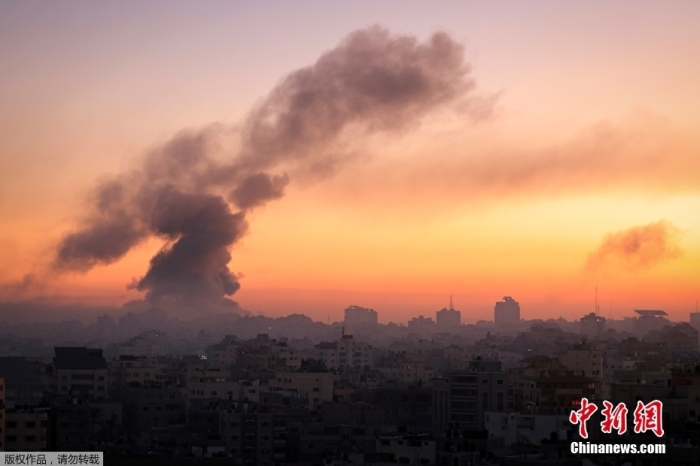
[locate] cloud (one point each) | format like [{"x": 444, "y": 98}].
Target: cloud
[{"x": 637, "y": 248}]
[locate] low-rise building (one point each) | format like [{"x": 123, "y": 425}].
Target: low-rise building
[
  {"x": 317, "y": 387},
  {"x": 406, "y": 449},
  {"x": 26, "y": 429}
]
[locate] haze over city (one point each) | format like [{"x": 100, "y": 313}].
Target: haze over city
[{"x": 301, "y": 160}]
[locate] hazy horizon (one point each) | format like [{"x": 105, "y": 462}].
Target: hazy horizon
[{"x": 303, "y": 158}]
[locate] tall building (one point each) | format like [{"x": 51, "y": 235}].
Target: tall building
[
  {"x": 649, "y": 320},
  {"x": 23, "y": 410},
  {"x": 592, "y": 325},
  {"x": 448, "y": 318},
  {"x": 356, "y": 315},
  {"x": 468, "y": 394},
  {"x": 80, "y": 372},
  {"x": 695, "y": 320},
  {"x": 680, "y": 337},
  {"x": 506, "y": 311}
]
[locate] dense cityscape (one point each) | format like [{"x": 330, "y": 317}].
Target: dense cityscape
[
  {"x": 257, "y": 390},
  {"x": 230, "y": 232}
]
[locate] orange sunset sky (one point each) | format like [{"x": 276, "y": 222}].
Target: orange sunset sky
[{"x": 582, "y": 170}]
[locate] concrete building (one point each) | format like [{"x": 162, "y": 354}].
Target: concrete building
[
  {"x": 507, "y": 311},
  {"x": 648, "y": 321},
  {"x": 421, "y": 324},
  {"x": 592, "y": 325},
  {"x": 695, "y": 320},
  {"x": 81, "y": 373},
  {"x": 212, "y": 384},
  {"x": 345, "y": 352},
  {"x": 146, "y": 407},
  {"x": 149, "y": 344},
  {"x": 484, "y": 386},
  {"x": 132, "y": 369},
  {"x": 448, "y": 318},
  {"x": 251, "y": 435},
  {"x": 356, "y": 315},
  {"x": 23, "y": 406},
  {"x": 587, "y": 358},
  {"x": 527, "y": 428},
  {"x": 26, "y": 429},
  {"x": 409, "y": 372},
  {"x": 404, "y": 407},
  {"x": 317, "y": 387},
  {"x": 406, "y": 449},
  {"x": 24, "y": 386},
  {"x": 680, "y": 337},
  {"x": 75, "y": 426},
  {"x": 223, "y": 355}
]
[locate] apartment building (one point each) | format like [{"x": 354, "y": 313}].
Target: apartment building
[
  {"x": 317, "y": 387},
  {"x": 345, "y": 352},
  {"x": 470, "y": 393},
  {"x": 80, "y": 372}
]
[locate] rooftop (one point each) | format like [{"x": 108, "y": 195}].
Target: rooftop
[{"x": 643, "y": 312}]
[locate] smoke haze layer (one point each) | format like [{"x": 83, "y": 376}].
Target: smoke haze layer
[
  {"x": 637, "y": 248},
  {"x": 183, "y": 192}
]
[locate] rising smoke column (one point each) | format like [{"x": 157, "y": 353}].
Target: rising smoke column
[{"x": 372, "y": 81}]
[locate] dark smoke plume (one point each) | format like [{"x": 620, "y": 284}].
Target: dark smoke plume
[
  {"x": 638, "y": 247},
  {"x": 372, "y": 81}
]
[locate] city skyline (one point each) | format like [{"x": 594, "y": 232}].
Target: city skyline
[{"x": 563, "y": 158}]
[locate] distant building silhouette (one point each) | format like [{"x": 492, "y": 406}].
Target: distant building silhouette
[
  {"x": 592, "y": 325},
  {"x": 507, "y": 311},
  {"x": 695, "y": 320},
  {"x": 356, "y": 315},
  {"x": 421, "y": 323},
  {"x": 649, "y": 320},
  {"x": 448, "y": 318}
]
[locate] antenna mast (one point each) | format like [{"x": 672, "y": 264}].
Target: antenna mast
[{"x": 452, "y": 308}]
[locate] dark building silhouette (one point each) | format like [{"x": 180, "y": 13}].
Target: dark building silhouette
[
  {"x": 507, "y": 311},
  {"x": 356, "y": 315},
  {"x": 448, "y": 318},
  {"x": 592, "y": 325}
]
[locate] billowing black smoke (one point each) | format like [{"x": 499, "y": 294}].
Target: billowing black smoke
[{"x": 372, "y": 81}]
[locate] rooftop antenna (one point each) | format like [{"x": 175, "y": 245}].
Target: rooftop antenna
[
  {"x": 452, "y": 308},
  {"x": 597, "y": 309}
]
